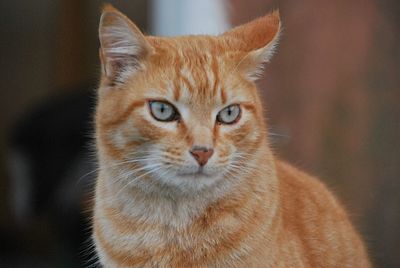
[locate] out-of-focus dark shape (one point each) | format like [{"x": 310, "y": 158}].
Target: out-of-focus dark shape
[{"x": 52, "y": 183}]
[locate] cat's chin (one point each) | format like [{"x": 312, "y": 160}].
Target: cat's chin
[
  {"x": 190, "y": 181},
  {"x": 196, "y": 174}
]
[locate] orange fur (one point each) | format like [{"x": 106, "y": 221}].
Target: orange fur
[{"x": 248, "y": 209}]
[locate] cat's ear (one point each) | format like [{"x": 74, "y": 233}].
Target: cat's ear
[
  {"x": 258, "y": 40},
  {"x": 123, "y": 47}
]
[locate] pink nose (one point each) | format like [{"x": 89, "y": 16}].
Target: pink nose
[{"x": 201, "y": 154}]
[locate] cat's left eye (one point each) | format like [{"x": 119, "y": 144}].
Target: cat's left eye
[
  {"x": 163, "y": 111},
  {"x": 229, "y": 115}
]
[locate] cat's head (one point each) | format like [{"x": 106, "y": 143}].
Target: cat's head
[{"x": 181, "y": 112}]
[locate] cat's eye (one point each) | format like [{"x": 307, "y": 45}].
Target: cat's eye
[
  {"x": 163, "y": 111},
  {"x": 229, "y": 115}
]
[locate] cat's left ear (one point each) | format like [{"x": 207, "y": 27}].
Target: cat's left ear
[
  {"x": 258, "y": 40},
  {"x": 123, "y": 47}
]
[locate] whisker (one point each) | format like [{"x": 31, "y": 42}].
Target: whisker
[
  {"x": 137, "y": 178},
  {"x": 131, "y": 161},
  {"x": 131, "y": 172}
]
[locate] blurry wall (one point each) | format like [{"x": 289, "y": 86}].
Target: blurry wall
[
  {"x": 181, "y": 17},
  {"x": 25, "y": 64},
  {"x": 332, "y": 93}
]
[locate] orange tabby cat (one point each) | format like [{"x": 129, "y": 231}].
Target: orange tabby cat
[{"x": 187, "y": 177}]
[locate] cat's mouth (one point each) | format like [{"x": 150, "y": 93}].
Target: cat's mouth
[{"x": 200, "y": 172}]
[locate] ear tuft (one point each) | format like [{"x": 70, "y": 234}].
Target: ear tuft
[{"x": 123, "y": 46}]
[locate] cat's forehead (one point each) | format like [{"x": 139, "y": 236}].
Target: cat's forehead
[
  {"x": 196, "y": 70},
  {"x": 193, "y": 47}
]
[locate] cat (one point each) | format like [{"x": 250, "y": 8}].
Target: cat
[{"x": 187, "y": 177}]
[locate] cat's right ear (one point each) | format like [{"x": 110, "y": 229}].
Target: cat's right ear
[{"x": 123, "y": 47}]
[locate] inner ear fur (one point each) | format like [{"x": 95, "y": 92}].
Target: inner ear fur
[{"x": 123, "y": 46}]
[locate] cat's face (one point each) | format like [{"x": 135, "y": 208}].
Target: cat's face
[{"x": 180, "y": 112}]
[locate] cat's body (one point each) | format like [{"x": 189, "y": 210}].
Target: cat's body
[
  {"x": 186, "y": 182},
  {"x": 294, "y": 223}
]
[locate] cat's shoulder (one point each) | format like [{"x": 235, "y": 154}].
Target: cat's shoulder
[
  {"x": 312, "y": 213},
  {"x": 302, "y": 188}
]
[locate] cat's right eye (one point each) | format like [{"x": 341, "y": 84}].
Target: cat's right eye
[{"x": 163, "y": 111}]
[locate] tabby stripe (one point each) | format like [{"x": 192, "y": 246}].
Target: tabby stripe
[
  {"x": 124, "y": 224},
  {"x": 111, "y": 149},
  {"x": 233, "y": 241},
  {"x": 177, "y": 87},
  {"x": 186, "y": 81},
  {"x": 215, "y": 71},
  {"x": 124, "y": 116},
  {"x": 118, "y": 256},
  {"x": 204, "y": 77}
]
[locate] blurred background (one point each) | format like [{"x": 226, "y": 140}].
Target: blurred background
[{"x": 332, "y": 97}]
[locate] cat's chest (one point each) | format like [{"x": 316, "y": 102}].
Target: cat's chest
[
  {"x": 193, "y": 245},
  {"x": 169, "y": 235}
]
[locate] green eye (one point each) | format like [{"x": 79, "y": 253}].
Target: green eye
[
  {"x": 163, "y": 111},
  {"x": 229, "y": 115}
]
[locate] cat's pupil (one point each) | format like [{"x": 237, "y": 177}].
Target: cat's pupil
[{"x": 162, "y": 108}]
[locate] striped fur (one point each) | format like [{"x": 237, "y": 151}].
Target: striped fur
[{"x": 247, "y": 209}]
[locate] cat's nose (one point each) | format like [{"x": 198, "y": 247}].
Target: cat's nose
[{"x": 201, "y": 154}]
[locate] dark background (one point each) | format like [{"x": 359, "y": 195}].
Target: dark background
[{"x": 332, "y": 97}]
